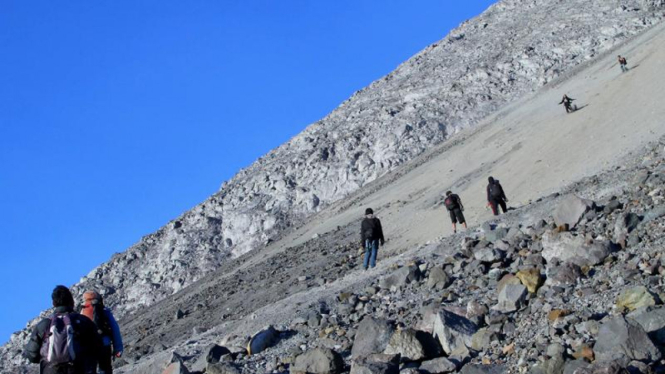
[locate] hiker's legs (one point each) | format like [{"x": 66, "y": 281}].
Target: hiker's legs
[
  {"x": 464, "y": 224},
  {"x": 503, "y": 205},
  {"x": 105, "y": 365},
  {"x": 375, "y": 249},
  {"x": 368, "y": 249},
  {"x": 454, "y": 227}
]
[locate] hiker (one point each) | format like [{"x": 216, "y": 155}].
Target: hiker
[
  {"x": 495, "y": 196},
  {"x": 623, "y": 64},
  {"x": 370, "y": 235},
  {"x": 567, "y": 103},
  {"x": 65, "y": 342},
  {"x": 454, "y": 205},
  {"x": 107, "y": 327}
]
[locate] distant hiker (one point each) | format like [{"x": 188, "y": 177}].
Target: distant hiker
[
  {"x": 623, "y": 63},
  {"x": 107, "y": 327},
  {"x": 495, "y": 196},
  {"x": 65, "y": 342},
  {"x": 370, "y": 235},
  {"x": 567, "y": 103},
  {"x": 454, "y": 205}
]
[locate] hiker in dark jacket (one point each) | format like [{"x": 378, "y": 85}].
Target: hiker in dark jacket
[
  {"x": 107, "y": 327},
  {"x": 567, "y": 103},
  {"x": 371, "y": 234},
  {"x": 454, "y": 205},
  {"x": 78, "y": 357},
  {"x": 495, "y": 196},
  {"x": 623, "y": 64}
]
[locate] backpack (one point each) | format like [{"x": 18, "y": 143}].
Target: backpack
[
  {"x": 60, "y": 342},
  {"x": 496, "y": 192},
  {"x": 101, "y": 320},
  {"x": 450, "y": 203}
]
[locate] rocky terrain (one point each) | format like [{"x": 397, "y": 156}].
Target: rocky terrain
[{"x": 278, "y": 244}]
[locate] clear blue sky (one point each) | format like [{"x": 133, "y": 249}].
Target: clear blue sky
[{"x": 118, "y": 116}]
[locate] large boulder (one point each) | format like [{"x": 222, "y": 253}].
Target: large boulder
[
  {"x": 376, "y": 364},
  {"x": 483, "y": 369},
  {"x": 222, "y": 368},
  {"x": 624, "y": 337},
  {"x": 262, "y": 340},
  {"x": 635, "y": 297},
  {"x": 563, "y": 275},
  {"x": 438, "y": 278},
  {"x": 570, "y": 210},
  {"x": 437, "y": 366},
  {"x": 400, "y": 277},
  {"x": 653, "y": 322},
  {"x": 573, "y": 248},
  {"x": 372, "y": 337},
  {"x": 511, "y": 298},
  {"x": 406, "y": 344},
  {"x": 489, "y": 255},
  {"x": 318, "y": 361},
  {"x": 453, "y": 331},
  {"x": 531, "y": 279},
  {"x": 553, "y": 365}
]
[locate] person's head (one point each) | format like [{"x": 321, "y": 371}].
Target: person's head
[
  {"x": 448, "y": 193},
  {"x": 91, "y": 297},
  {"x": 369, "y": 211},
  {"x": 619, "y": 56},
  {"x": 61, "y": 296},
  {"x": 491, "y": 180}
]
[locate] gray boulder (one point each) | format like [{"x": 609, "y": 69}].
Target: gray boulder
[
  {"x": 318, "y": 361},
  {"x": 372, "y": 337},
  {"x": 563, "y": 275},
  {"x": 223, "y": 368},
  {"x": 263, "y": 340},
  {"x": 376, "y": 364},
  {"x": 570, "y": 210},
  {"x": 483, "y": 369},
  {"x": 406, "y": 344},
  {"x": 553, "y": 365},
  {"x": 653, "y": 322},
  {"x": 511, "y": 298},
  {"x": 438, "y": 278},
  {"x": 400, "y": 277},
  {"x": 624, "y": 337},
  {"x": 488, "y": 255},
  {"x": 438, "y": 365},
  {"x": 571, "y": 366},
  {"x": 453, "y": 331},
  {"x": 568, "y": 247}
]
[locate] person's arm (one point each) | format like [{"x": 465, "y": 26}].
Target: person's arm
[
  {"x": 503, "y": 194},
  {"x": 381, "y": 238},
  {"x": 459, "y": 201},
  {"x": 31, "y": 350},
  {"x": 362, "y": 233},
  {"x": 488, "y": 193},
  {"x": 115, "y": 334}
]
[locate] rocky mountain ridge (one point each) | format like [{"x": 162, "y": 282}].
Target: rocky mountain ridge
[{"x": 511, "y": 49}]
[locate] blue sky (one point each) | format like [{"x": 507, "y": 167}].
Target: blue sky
[{"x": 116, "y": 117}]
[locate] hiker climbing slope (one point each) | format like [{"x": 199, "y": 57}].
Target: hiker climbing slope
[
  {"x": 567, "y": 103},
  {"x": 371, "y": 234},
  {"x": 65, "y": 342},
  {"x": 495, "y": 196},
  {"x": 623, "y": 64},
  {"x": 107, "y": 327},
  {"x": 454, "y": 205}
]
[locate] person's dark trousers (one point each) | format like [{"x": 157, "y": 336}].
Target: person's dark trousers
[
  {"x": 495, "y": 206},
  {"x": 371, "y": 249},
  {"x": 105, "y": 364}
]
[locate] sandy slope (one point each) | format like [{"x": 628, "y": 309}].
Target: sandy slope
[{"x": 534, "y": 142}]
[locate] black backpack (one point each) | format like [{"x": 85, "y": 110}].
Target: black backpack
[
  {"x": 450, "y": 203},
  {"x": 496, "y": 192},
  {"x": 101, "y": 320}
]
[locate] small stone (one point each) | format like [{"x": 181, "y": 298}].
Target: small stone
[{"x": 530, "y": 278}]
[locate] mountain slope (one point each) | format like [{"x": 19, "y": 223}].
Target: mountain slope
[{"x": 512, "y": 49}]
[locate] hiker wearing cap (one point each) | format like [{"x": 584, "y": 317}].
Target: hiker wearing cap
[
  {"x": 495, "y": 196},
  {"x": 371, "y": 234},
  {"x": 65, "y": 342},
  {"x": 107, "y": 327},
  {"x": 454, "y": 205}
]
